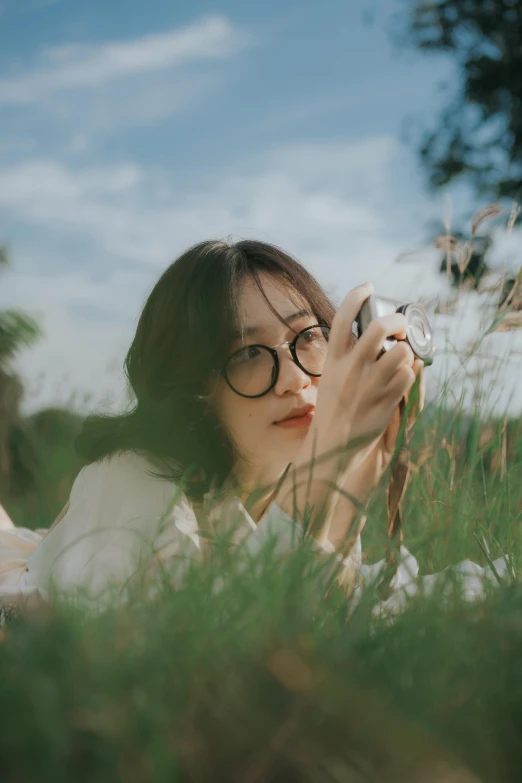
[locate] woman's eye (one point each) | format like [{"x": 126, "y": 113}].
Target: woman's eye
[
  {"x": 248, "y": 353},
  {"x": 310, "y": 336}
]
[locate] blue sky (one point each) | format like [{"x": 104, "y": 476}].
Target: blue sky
[{"x": 132, "y": 130}]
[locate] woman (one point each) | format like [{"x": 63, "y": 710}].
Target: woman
[{"x": 233, "y": 340}]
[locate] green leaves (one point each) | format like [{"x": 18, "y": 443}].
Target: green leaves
[
  {"x": 479, "y": 133},
  {"x": 17, "y": 330}
]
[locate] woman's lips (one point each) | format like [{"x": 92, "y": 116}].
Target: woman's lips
[{"x": 297, "y": 421}]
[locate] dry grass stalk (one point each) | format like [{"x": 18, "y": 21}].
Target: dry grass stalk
[
  {"x": 446, "y": 307},
  {"x": 487, "y": 436},
  {"x": 509, "y": 322},
  {"x": 463, "y": 253},
  {"x": 447, "y": 243},
  {"x": 423, "y": 456},
  {"x": 514, "y": 297},
  {"x": 408, "y": 254},
  {"x": 503, "y": 450},
  {"x": 483, "y": 215},
  {"x": 516, "y": 209},
  {"x": 454, "y": 247}
]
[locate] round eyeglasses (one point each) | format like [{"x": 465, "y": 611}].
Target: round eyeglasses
[{"x": 253, "y": 371}]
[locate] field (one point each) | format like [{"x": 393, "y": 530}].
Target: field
[
  {"x": 267, "y": 679},
  {"x": 274, "y": 674}
]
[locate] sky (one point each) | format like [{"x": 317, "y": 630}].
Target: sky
[{"x": 130, "y": 131}]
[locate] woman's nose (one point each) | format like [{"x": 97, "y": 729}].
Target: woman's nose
[{"x": 291, "y": 376}]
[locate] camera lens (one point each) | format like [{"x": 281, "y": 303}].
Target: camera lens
[{"x": 419, "y": 332}]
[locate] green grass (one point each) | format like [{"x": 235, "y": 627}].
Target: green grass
[
  {"x": 464, "y": 495},
  {"x": 263, "y": 680},
  {"x": 266, "y": 679}
]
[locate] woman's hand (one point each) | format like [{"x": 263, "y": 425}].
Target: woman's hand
[
  {"x": 358, "y": 396},
  {"x": 362, "y": 479},
  {"x": 377, "y": 456}
]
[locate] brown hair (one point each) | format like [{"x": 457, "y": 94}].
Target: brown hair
[{"x": 184, "y": 334}]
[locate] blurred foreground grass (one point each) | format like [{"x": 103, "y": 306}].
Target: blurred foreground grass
[{"x": 264, "y": 679}]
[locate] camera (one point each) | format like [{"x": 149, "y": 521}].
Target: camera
[{"x": 419, "y": 334}]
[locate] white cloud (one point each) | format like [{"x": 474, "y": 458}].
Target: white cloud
[
  {"x": 293, "y": 192},
  {"x": 130, "y": 215},
  {"x": 326, "y": 203},
  {"x": 79, "y": 66}
]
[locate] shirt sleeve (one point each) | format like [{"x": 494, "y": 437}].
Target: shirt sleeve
[
  {"x": 121, "y": 523},
  {"x": 5, "y": 521}
]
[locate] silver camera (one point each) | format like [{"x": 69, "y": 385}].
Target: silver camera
[{"x": 419, "y": 334}]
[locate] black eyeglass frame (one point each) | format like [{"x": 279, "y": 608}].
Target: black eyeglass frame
[{"x": 293, "y": 350}]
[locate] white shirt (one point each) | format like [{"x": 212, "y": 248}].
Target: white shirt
[{"x": 121, "y": 520}]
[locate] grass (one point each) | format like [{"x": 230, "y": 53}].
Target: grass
[
  {"x": 464, "y": 493},
  {"x": 266, "y": 679},
  {"x": 262, "y": 680},
  {"x": 464, "y": 490},
  {"x": 271, "y": 675}
]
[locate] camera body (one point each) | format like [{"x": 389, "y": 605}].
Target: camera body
[{"x": 419, "y": 334}]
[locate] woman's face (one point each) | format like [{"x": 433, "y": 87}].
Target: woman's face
[{"x": 267, "y": 447}]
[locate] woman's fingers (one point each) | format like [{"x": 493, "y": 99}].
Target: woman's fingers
[
  {"x": 357, "y": 391},
  {"x": 341, "y": 332},
  {"x": 399, "y": 355},
  {"x": 370, "y": 344},
  {"x": 400, "y": 384}
]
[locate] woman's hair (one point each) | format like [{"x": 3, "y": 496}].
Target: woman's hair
[{"x": 184, "y": 335}]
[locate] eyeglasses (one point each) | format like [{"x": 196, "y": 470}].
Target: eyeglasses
[{"x": 253, "y": 370}]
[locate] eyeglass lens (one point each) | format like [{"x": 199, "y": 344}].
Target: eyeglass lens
[{"x": 251, "y": 371}]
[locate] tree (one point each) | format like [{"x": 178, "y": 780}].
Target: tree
[
  {"x": 38, "y": 463},
  {"x": 17, "y": 462},
  {"x": 479, "y": 134}
]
